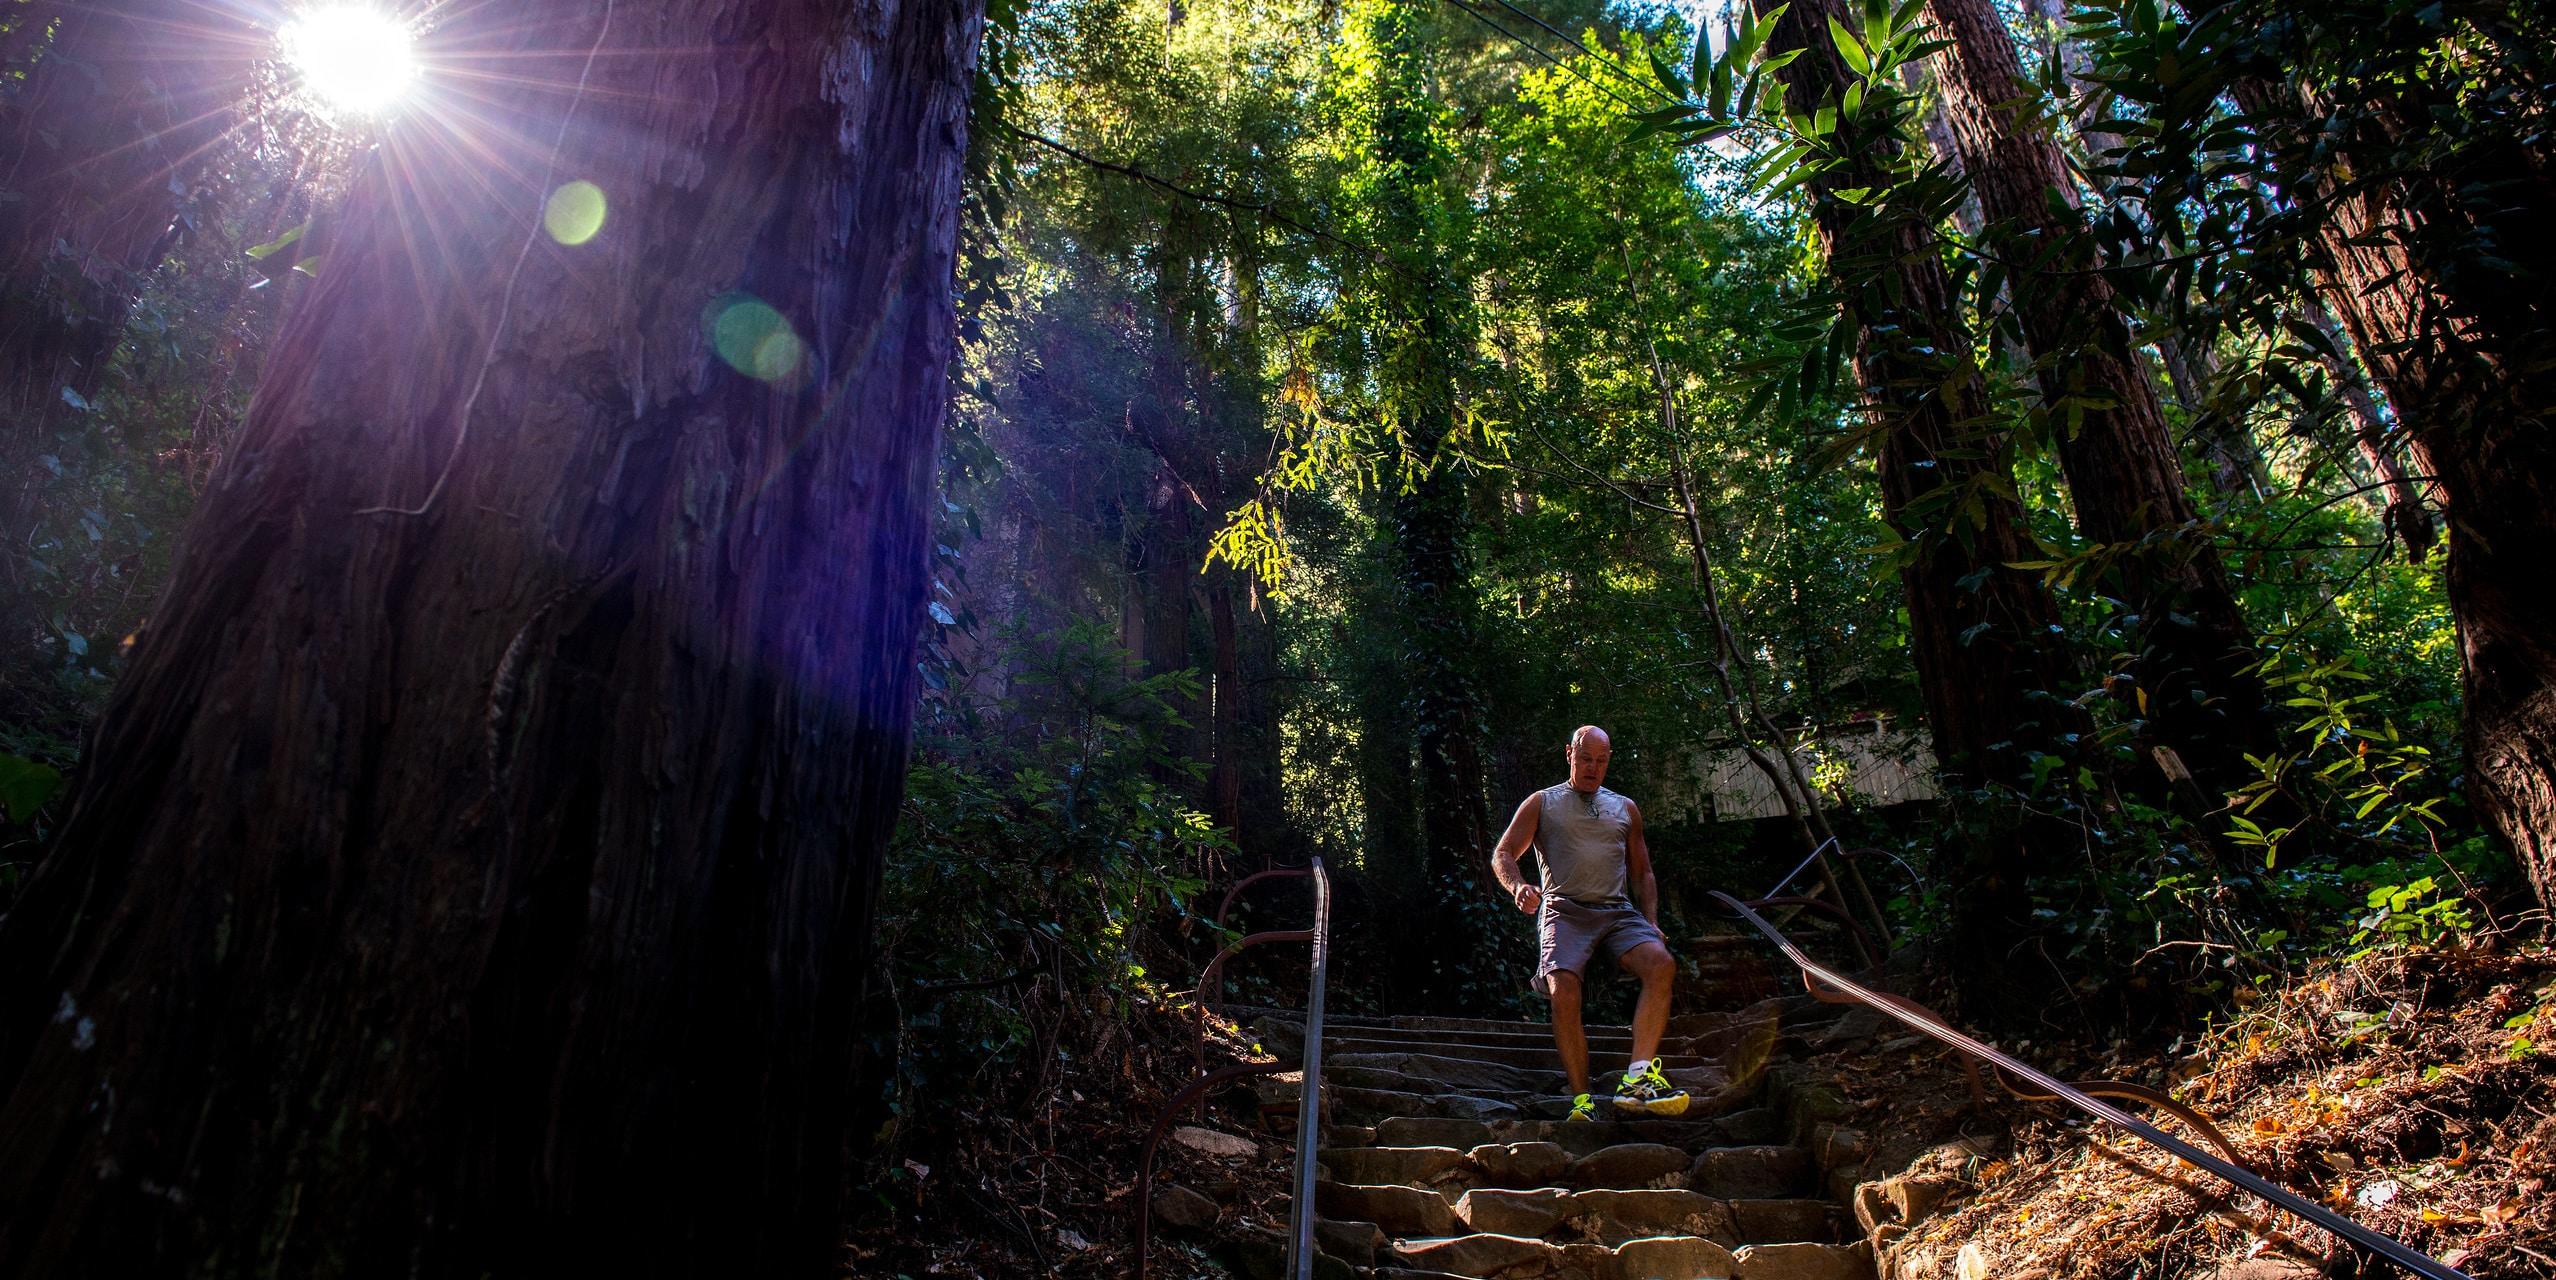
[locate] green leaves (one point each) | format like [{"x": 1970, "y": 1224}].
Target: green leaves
[
  {"x": 279, "y": 244},
  {"x": 25, "y": 785},
  {"x": 1668, "y": 74},
  {"x": 1850, "y": 47}
]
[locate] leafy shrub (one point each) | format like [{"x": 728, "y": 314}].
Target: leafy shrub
[{"x": 1044, "y": 852}]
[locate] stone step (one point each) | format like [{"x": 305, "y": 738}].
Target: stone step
[
  {"x": 1358, "y": 1100},
  {"x": 1753, "y": 1173},
  {"x": 1287, "y": 1039},
  {"x": 1756, "y": 1125},
  {"x": 1538, "y": 1056},
  {"x": 1647, "y": 1262},
  {"x": 1485, "y": 1254},
  {"x": 1511, "y": 1165},
  {"x": 1422, "y": 1073},
  {"x": 1683, "y": 1026},
  {"x": 1398, "y": 1210},
  {"x": 1606, "y": 1215},
  {"x": 1609, "y": 1217},
  {"x": 1788, "y": 1221},
  {"x": 1414, "y": 1166},
  {"x": 1801, "y": 1262},
  {"x": 1356, "y": 1104},
  {"x": 1355, "y": 1243},
  {"x": 1463, "y": 1074}
]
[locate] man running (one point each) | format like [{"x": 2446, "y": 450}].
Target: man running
[{"x": 1589, "y": 851}]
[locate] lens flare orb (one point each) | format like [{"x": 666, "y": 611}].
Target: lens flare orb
[{"x": 350, "y": 58}]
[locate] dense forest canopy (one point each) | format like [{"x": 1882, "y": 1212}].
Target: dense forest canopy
[{"x": 792, "y": 554}]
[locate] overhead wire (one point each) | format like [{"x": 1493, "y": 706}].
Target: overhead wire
[
  {"x": 1269, "y": 211},
  {"x": 1539, "y": 51},
  {"x": 1591, "y": 54}
]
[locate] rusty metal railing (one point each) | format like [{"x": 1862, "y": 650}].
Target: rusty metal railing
[
  {"x": 1300, "y": 1249},
  {"x": 2087, "y": 1096}
]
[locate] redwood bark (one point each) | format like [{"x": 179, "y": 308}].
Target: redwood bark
[
  {"x": 2195, "y": 650},
  {"x": 2462, "y": 350},
  {"x": 485, "y": 890},
  {"x": 1982, "y": 635}
]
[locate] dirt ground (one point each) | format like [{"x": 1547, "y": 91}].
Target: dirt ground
[
  {"x": 2412, "y": 1091},
  {"x": 1046, "y": 1186}
]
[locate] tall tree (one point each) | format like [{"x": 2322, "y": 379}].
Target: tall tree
[
  {"x": 2419, "y": 167},
  {"x": 2194, "y": 650},
  {"x": 1417, "y": 310},
  {"x": 1980, "y": 630},
  {"x": 472, "y": 873},
  {"x": 1982, "y": 633}
]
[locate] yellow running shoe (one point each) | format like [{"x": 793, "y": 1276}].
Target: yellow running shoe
[
  {"x": 1650, "y": 1093},
  {"x": 1581, "y": 1109}
]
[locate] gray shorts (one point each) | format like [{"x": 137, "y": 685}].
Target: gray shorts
[{"x": 1568, "y": 934}]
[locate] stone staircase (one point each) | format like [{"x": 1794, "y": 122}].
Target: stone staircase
[{"x": 1445, "y": 1156}]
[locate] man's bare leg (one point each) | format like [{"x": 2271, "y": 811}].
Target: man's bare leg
[
  {"x": 1569, "y": 1037},
  {"x": 1657, "y": 969}
]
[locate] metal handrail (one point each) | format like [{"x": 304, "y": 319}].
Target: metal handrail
[
  {"x": 1211, "y": 979},
  {"x": 2396, "y": 1251},
  {"x": 1300, "y": 1250},
  {"x": 1300, "y": 1216}
]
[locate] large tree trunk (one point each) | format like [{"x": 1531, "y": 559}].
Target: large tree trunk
[
  {"x": 109, "y": 112},
  {"x": 1981, "y": 634},
  {"x": 472, "y": 874},
  {"x": 2195, "y": 650},
  {"x": 1419, "y": 347},
  {"x": 1980, "y": 631},
  {"x": 1225, "y": 748},
  {"x": 1259, "y": 745},
  {"x": 2462, "y": 350}
]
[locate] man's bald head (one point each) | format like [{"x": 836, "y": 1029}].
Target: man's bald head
[{"x": 1590, "y": 750}]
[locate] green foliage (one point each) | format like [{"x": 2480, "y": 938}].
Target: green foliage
[
  {"x": 25, "y": 785},
  {"x": 1333, "y": 252},
  {"x": 1042, "y": 841},
  {"x": 2353, "y": 778},
  {"x": 2420, "y": 912}
]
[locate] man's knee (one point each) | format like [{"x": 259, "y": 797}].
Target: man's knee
[
  {"x": 1652, "y": 963},
  {"x": 1563, "y": 987}
]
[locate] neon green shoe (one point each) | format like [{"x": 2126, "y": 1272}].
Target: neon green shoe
[
  {"x": 1581, "y": 1109},
  {"x": 1650, "y": 1093}
]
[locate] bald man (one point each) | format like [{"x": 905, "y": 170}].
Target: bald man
[{"x": 1594, "y": 893}]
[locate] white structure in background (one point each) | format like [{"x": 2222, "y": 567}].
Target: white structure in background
[{"x": 1861, "y": 762}]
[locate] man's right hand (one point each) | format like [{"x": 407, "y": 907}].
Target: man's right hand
[{"x": 1528, "y": 897}]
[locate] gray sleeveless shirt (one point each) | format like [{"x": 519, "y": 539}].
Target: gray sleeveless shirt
[{"x": 1579, "y": 845}]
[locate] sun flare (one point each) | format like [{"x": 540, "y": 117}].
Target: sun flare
[{"x": 351, "y": 58}]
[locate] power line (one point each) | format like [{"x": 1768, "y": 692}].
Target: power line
[
  {"x": 1538, "y": 50},
  {"x": 1243, "y": 206},
  {"x": 1591, "y": 54}
]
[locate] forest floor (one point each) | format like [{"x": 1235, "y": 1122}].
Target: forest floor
[
  {"x": 1045, "y": 1186},
  {"x": 2413, "y": 1091}
]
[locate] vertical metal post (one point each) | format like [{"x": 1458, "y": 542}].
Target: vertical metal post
[{"x": 1300, "y": 1246}]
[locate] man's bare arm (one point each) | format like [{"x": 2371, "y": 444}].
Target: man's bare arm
[
  {"x": 1637, "y": 867},
  {"x": 1513, "y": 845}
]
